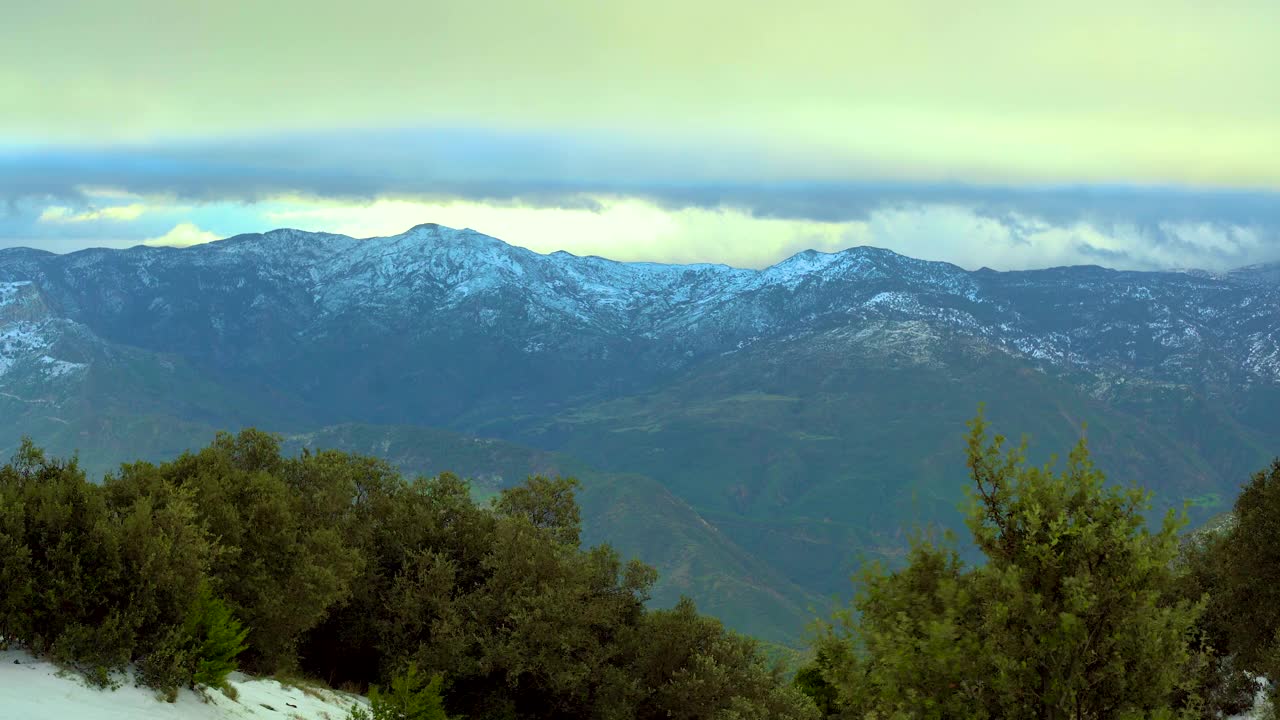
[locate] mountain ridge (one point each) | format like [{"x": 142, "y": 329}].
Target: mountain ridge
[{"x": 423, "y": 229}]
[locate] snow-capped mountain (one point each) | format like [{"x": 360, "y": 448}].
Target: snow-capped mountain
[
  {"x": 804, "y": 411},
  {"x": 234, "y": 302},
  {"x": 257, "y": 301},
  {"x": 448, "y": 327}
]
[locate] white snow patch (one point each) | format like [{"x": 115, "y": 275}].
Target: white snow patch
[
  {"x": 33, "y": 689},
  {"x": 9, "y": 290},
  {"x": 17, "y": 340},
  {"x": 55, "y": 368},
  {"x": 900, "y": 301}
]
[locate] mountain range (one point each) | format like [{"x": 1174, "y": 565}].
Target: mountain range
[{"x": 754, "y": 433}]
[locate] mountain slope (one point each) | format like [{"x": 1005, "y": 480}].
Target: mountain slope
[
  {"x": 810, "y": 458},
  {"x": 805, "y": 412},
  {"x": 262, "y": 306}
]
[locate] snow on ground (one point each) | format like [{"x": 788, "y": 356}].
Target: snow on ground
[{"x": 33, "y": 689}]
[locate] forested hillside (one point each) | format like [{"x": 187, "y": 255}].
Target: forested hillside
[{"x": 335, "y": 566}]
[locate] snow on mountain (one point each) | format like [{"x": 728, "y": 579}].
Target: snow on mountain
[
  {"x": 24, "y": 324},
  {"x": 1180, "y": 327}
]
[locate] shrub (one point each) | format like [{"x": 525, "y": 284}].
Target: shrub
[
  {"x": 219, "y": 639},
  {"x": 169, "y": 666},
  {"x": 413, "y": 696},
  {"x": 1235, "y": 567},
  {"x": 96, "y": 576}
]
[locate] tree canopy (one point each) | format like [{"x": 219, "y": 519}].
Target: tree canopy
[
  {"x": 336, "y": 566},
  {"x": 1072, "y": 614}
]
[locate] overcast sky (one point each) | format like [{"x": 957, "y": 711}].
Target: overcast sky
[{"x": 1007, "y": 134}]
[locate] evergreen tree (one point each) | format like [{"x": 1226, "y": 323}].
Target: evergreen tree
[
  {"x": 1070, "y": 616},
  {"x": 412, "y": 696},
  {"x": 219, "y": 639}
]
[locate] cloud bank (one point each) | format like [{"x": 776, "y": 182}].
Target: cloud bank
[{"x": 620, "y": 197}]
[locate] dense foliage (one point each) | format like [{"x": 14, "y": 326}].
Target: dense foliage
[
  {"x": 335, "y": 565},
  {"x": 1073, "y": 615},
  {"x": 97, "y": 578},
  {"x": 1235, "y": 565}
]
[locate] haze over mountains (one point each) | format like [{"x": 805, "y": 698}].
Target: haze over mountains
[{"x": 752, "y": 433}]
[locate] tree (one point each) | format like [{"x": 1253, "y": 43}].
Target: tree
[
  {"x": 95, "y": 576},
  {"x": 546, "y": 503},
  {"x": 283, "y": 561},
  {"x": 688, "y": 667},
  {"x": 1235, "y": 567},
  {"x": 812, "y": 681},
  {"x": 412, "y": 696},
  {"x": 1071, "y": 616}
]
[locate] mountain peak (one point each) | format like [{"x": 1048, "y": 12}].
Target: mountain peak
[{"x": 442, "y": 235}]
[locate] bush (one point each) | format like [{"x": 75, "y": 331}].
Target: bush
[
  {"x": 413, "y": 696},
  {"x": 201, "y": 652},
  {"x": 94, "y": 579},
  {"x": 169, "y": 666},
  {"x": 280, "y": 567}
]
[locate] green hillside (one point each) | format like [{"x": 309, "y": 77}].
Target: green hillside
[
  {"x": 634, "y": 513},
  {"x": 813, "y": 460}
]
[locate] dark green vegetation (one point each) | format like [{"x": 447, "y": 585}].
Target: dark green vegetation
[
  {"x": 754, "y": 436},
  {"x": 1235, "y": 563},
  {"x": 334, "y": 565},
  {"x": 635, "y": 514},
  {"x": 1077, "y": 611}
]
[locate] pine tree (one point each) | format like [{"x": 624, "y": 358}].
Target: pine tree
[
  {"x": 413, "y": 696},
  {"x": 219, "y": 638}
]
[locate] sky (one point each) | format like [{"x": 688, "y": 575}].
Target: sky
[{"x": 1006, "y": 134}]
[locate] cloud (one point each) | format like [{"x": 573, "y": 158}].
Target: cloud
[
  {"x": 564, "y": 170},
  {"x": 1017, "y": 241},
  {"x": 182, "y": 235},
  {"x": 63, "y": 214},
  {"x": 614, "y": 196}
]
